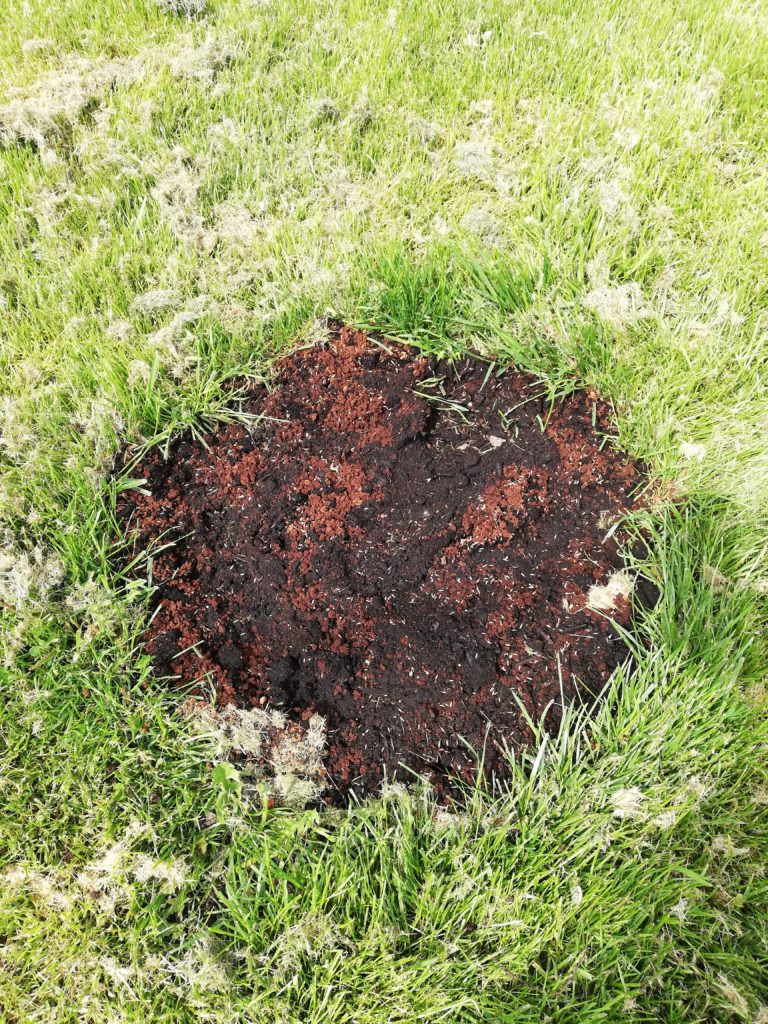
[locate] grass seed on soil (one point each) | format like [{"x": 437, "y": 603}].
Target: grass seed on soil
[{"x": 402, "y": 545}]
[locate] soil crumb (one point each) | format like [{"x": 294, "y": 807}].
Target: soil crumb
[{"x": 403, "y": 546}]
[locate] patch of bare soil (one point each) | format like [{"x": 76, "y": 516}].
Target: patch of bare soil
[{"x": 404, "y": 546}]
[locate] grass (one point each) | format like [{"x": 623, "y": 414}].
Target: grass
[{"x": 579, "y": 189}]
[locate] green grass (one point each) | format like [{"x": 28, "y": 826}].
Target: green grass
[{"x": 578, "y": 189}]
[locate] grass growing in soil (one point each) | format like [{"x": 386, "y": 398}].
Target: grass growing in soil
[{"x": 185, "y": 190}]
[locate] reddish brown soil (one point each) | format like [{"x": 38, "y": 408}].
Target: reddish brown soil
[{"x": 367, "y": 554}]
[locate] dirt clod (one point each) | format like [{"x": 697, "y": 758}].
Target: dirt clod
[{"x": 403, "y": 546}]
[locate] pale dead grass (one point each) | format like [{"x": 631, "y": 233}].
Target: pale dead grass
[
  {"x": 27, "y": 577},
  {"x": 619, "y": 306},
  {"x": 44, "y": 112},
  {"x": 154, "y": 302},
  {"x": 270, "y": 751},
  {"x": 183, "y": 8},
  {"x": 606, "y": 597},
  {"x": 474, "y": 158},
  {"x": 628, "y": 803}
]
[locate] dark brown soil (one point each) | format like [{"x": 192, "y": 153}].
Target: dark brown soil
[{"x": 381, "y": 559}]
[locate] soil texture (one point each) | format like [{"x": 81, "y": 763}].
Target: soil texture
[{"x": 404, "y": 546}]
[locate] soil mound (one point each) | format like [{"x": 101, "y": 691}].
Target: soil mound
[{"x": 403, "y": 546}]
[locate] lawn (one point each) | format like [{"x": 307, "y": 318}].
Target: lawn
[{"x": 578, "y": 189}]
